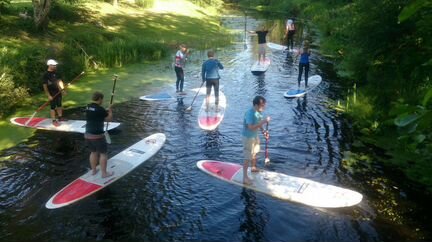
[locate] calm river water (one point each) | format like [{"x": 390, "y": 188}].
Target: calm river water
[{"x": 169, "y": 199}]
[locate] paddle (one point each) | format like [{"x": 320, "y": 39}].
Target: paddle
[
  {"x": 190, "y": 107},
  {"x": 47, "y": 102},
  {"x": 107, "y": 137},
  {"x": 267, "y": 159}
]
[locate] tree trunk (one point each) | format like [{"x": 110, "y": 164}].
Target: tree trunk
[
  {"x": 115, "y": 3},
  {"x": 41, "y": 11}
]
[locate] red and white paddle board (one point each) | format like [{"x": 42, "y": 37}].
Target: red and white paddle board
[
  {"x": 120, "y": 164},
  {"x": 77, "y": 126},
  {"x": 282, "y": 186},
  {"x": 209, "y": 119}
]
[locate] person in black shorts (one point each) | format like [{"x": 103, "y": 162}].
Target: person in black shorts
[
  {"x": 54, "y": 88},
  {"x": 210, "y": 74},
  {"x": 94, "y": 133}
]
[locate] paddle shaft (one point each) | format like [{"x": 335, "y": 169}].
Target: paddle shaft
[
  {"x": 190, "y": 107},
  {"x": 47, "y": 102},
  {"x": 266, "y": 146},
  {"x": 112, "y": 97}
]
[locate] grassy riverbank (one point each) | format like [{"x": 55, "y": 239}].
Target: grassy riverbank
[{"x": 132, "y": 42}]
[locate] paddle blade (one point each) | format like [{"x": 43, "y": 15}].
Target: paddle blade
[
  {"x": 189, "y": 108},
  {"x": 28, "y": 121},
  {"x": 267, "y": 161},
  {"x": 107, "y": 137}
]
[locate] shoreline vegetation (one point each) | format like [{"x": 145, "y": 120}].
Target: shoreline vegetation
[{"x": 100, "y": 39}]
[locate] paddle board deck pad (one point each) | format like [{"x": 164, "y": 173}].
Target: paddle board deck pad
[
  {"x": 120, "y": 164},
  {"x": 276, "y": 46},
  {"x": 259, "y": 68},
  {"x": 313, "y": 82},
  {"x": 211, "y": 118},
  {"x": 282, "y": 186},
  {"x": 77, "y": 126}
]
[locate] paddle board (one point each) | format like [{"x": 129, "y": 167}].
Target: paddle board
[
  {"x": 77, "y": 126},
  {"x": 259, "y": 68},
  {"x": 276, "y": 46},
  {"x": 211, "y": 118},
  {"x": 282, "y": 186},
  {"x": 313, "y": 82},
  {"x": 157, "y": 97},
  {"x": 120, "y": 164}
]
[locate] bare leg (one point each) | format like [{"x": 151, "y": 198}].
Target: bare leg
[
  {"x": 246, "y": 179},
  {"x": 53, "y": 114},
  {"x": 103, "y": 160},
  {"x": 93, "y": 161},
  {"x": 254, "y": 167},
  {"x": 59, "y": 111}
]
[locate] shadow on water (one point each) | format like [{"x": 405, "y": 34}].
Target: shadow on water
[{"x": 168, "y": 199}]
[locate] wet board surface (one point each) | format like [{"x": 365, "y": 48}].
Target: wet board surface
[
  {"x": 77, "y": 126},
  {"x": 120, "y": 164},
  {"x": 211, "y": 118},
  {"x": 282, "y": 186},
  {"x": 313, "y": 81},
  {"x": 259, "y": 68}
]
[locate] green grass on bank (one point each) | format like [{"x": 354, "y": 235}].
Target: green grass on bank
[{"x": 114, "y": 38}]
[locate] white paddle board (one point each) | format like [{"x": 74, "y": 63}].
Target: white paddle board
[
  {"x": 259, "y": 68},
  {"x": 211, "y": 118},
  {"x": 313, "y": 82},
  {"x": 77, "y": 126},
  {"x": 157, "y": 97},
  {"x": 120, "y": 164},
  {"x": 275, "y": 46},
  {"x": 282, "y": 186}
]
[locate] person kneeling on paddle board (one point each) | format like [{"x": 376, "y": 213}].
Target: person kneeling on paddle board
[
  {"x": 252, "y": 122},
  {"x": 304, "y": 62},
  {"x": 94, "y": 134},
  {"x": 210, "y": 75},
  {"x": 54, "y": 88}
]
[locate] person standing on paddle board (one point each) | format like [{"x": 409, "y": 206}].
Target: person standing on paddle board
[
  {"x": 179, "y": 64},
  {"x": 252, "y": 122},
  {"x": 262, "y": 43},
  {"x": 304, "y": 54},
  {"x": 210, "y": 75},
  {"x": 289, "y": 32},
  {"x": 53, "y": 85},
  {"x": 94, "y": 134}
]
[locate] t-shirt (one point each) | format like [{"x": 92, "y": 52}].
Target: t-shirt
[
  {"x": 95, "y": 116},
  {"x": 210, "y": 69},
  {"x": 180, "y": 59},
  {"x": 251, "y": 117},
  {"x": 261, "y": 36},
  {"x": 51, "y": 79}
]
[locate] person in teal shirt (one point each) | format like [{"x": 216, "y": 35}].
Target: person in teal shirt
[{"x": 252, "y": 122}]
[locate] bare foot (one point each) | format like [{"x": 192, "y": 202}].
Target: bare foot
[
  {"x": 95, "y": 171},
  {"x": 254, "y": 169},
  {"x": 247, "y": 181},
  {"x": 108, "y": 174}
]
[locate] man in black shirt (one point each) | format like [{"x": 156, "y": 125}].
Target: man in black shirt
[
  {"x": 94, "y": 135},
  {"x": 262, "y": 43},
  {"x": 54, "y": 88}
]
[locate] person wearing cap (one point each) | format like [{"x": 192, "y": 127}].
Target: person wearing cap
[
  {"x": 289, "y": 32},
  {"x": 304, "y": 54},
  {"x": 54, "y": 89},
  {"x": 179, "y": 64}
]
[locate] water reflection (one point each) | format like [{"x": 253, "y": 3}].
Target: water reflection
[{"x": 254, "y": 220}]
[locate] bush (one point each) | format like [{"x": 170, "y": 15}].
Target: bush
[{"x": 11, "y": 97}]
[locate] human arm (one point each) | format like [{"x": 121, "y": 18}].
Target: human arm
[
  {"x": 109, "y": 116},
  {"x": 259, "y": 125},
  {"x": 220, "y": 65},
  {"x": 203, "y": 71}
]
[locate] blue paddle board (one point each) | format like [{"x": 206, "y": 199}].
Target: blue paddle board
[{"x": 313, "y": 82}]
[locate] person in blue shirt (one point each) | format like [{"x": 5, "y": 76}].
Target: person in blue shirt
[
  {"x": 304, "y": 62},
  {"x": 210, "y": 75},
  {"x": 253, "y": 122}
]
